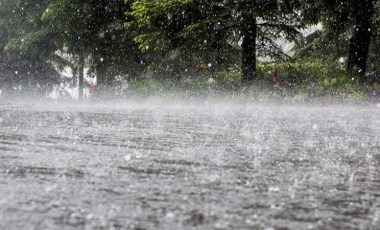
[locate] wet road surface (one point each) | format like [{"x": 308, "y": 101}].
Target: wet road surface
[{"x": 189, "y": 167}]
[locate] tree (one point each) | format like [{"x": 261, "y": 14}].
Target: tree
[
  {"x": 24, "y": 46},
  {"x": 93, "y": 32},
  {"x": 363, "y": 12},
  {"x": 222, "y": 24},
  {"x": 348, "y": 29},
  {"x": 71, "y": 33}
]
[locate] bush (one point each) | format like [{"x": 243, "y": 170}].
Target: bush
[
  {"x": 305, "y": 80},
  {"x": 305, "y": 72},
  {"x": 229, "y": 79}
]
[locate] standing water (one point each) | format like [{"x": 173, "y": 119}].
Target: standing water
[{"x": 177, "y": 166}]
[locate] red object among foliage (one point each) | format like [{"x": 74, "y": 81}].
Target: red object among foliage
[
  {"x": 277, "y": 79},
  {"x": 201, "y": 65},
  {"x": 275, "y": 76},
  {"x": 92, "y": 88}
]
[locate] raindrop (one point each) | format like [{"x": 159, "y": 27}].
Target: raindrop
[
  {"x": 169, "y": 215},
  {"x": 90, "y": 216},
  {"x": 274, "y": 189},
  {"x": 138, "y": 155},
  {"x": 127, "y": 157}
]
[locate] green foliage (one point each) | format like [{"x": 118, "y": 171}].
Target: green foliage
[
  {"x": 302, "y": 80},
  {"x": 348, "y": 28},
  {"x": 96, "y": 30},
  {"x": 311, "y": 78},
  {"x": 168, "y": 39},
  {"x": 189, "y": 87},
  {"x": 35, "y": 44},
  {"x": 308, "y": 80},
  {"x": 229, "y": 79},
  {"x": 20, "y": 27},
  {"x": 305, "y": 72},
  {"x": 321, "y": 45},
  {"x": 211, "y": 31}
]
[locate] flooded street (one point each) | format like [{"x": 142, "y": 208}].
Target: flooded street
[{"x": 176, "y": 166}]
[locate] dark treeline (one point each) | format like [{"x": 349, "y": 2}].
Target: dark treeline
[{"x": 109, "y": 38}]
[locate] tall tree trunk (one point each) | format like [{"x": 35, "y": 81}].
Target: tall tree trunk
[
  {"x": 74, "y": 69},
  {"x": 361, "y": 39},
  {"x": 219, "y": 50},
  {"x": 81, "y": 77},
  {"x": 101, "y": 76},
  {"x": 100, "y": 18},
  {"x": 248, "y": 62}
]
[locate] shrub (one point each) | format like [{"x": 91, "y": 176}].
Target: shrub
[
  {"x": 305, "y": 72},
  {"x": 306, "y": 79}
]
